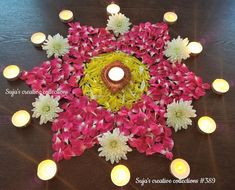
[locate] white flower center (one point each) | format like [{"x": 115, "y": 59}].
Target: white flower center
[
  {"x": 119, "y": 24},
  {"x": 46, "y": 108},
  {"x": 57, "y": 46},
  {"x": 179, "y": 114},
  {"x": 177, "y": 50},
  {"x": 113, "y": 144}
]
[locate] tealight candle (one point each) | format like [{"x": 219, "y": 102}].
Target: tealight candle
[
  {"x": 116, "y": 73},
  {"x": 180, "y": 168},
  {"x": 207, "y": 124},
  {"x": 21, "y": 118},
  {"x": 220, "y": 86},
  {"x": 170, "y": 17},
  {"x": 38, "y": 38},
  {"x": 120, "y": 175},
  {"x": 113, "y": 8},
  {"x": 46, "y": 169},
  {"x": 11, "y": 72},
  {"x": 66, "y": 16},
  {"x": 195, "y": 48}
]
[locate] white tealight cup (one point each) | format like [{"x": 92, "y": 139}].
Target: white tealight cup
[
  {"x": 38, "y": 38},
  {"x": 120, "y": 175},
  {"x": 170, "y": 17},
  {"x": 11, "y": 72},
  {"x": 180, "y": 168},
  {"x": 220, "y": 86},
  {"x": 116, "y": 73},
  {"x": 21, "y": 118},
  {"x": 47, "y": 169},
  {"x": 113, "y": 8},
  {"x": 195, "y": 48},
  {"x": 207, "y": 124},
  {"x": 66, "y": 16}
]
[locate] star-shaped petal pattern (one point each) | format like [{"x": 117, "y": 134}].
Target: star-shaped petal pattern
[{"x": 83, "y": 120}]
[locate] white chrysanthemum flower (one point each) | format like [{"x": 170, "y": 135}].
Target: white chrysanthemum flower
[
  {"x": 114, "y": 146},
  {"x": 118, "y": 23},
  {"x": 46, "y": 107},
  {"x": 56, "y": 45},
  {"x": 177, "y": 49},
  {"x": 179, "y": 114}
]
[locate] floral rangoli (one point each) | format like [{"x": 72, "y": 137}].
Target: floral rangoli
[{"x": 137, "y": 113}]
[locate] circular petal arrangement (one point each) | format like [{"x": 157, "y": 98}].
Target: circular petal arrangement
[
  {"x": 93, "y": 86},
  {"x": 137, "y": 114}
]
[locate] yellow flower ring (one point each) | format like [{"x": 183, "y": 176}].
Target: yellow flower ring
[{"x": 93, "y": 86}]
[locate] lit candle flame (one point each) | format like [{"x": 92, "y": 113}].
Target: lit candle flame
[
  {"x": 113, "y": 8},
  {"x": 47, "y": 169},
  {"x": 21, "y": 118},
  {"x": 207, "y": 124},
  {"x": 195, "y": 47},
  {"x": 220, "y": 86},
  {"x": 11, "y": 72},
  {"x": 120, "y": 175},
  {"x": 66, "y": 15},
  {"x": 170, "y": 17},
  {"x": 38, "y": 38},
  {"x": 180, "y": 168}
]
